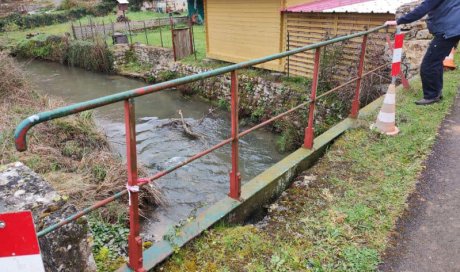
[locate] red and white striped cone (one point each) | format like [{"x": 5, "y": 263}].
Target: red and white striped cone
[
  {"x": 386, "y": 120},
  {"x": 397, "y": 55}
]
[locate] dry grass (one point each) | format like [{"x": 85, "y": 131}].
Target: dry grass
[{"x": 70, "y": 152}]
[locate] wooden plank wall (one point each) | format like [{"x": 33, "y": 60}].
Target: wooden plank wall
[
  {"x": 309, "y": 28},
  {"x": 241, "y": 30}
]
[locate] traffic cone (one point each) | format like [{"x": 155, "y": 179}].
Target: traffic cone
[
  {"x": 387, "y": 116},
  {"x": 449, "y": 61}
]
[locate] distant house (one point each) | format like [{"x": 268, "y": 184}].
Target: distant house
[
  {"x": 165, "y": 5},
  {"x": 177, "y": 5},
  {"x": 154, "y": 5},
  {"x": 241, "y": 30}
]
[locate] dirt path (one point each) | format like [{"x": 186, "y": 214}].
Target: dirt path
[{"x": 429, "y": 235}]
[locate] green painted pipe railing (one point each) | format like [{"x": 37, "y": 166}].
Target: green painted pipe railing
[{"x": 22, "y": 129}]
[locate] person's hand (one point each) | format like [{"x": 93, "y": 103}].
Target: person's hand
[{"x": 390, "y": 23}]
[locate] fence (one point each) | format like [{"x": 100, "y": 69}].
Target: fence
[
  {"x": 107, "y": 28},
  {"x": 308, "y": 28},
  {"x": 134, "y": 183}
]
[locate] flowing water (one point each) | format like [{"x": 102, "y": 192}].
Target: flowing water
[{"x": 159, "y": 145}]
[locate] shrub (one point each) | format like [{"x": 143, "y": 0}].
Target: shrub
[
  {"x": 75, "y": 12},
  {"x": 92, "y": 56},
  {"x": 48, "y": 47},
  {"x": 69, "y": 4}
]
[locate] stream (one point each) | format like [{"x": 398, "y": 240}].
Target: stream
[{"x": 191, "y": 188}]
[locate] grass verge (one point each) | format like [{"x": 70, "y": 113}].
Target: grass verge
[{"x": 339, "y": 215}]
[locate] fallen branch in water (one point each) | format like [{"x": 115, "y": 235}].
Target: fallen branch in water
[
  {"x": 210, "y": 112},
  {"x": 188, "y": 128}
]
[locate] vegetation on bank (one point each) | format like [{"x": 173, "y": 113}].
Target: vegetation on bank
[
  {"x": 93, "y": 56},
  {"x": 15, "y": 33},
  {"x": 339, "y": 215},
  {"x": 69, "y": 12},
  {"x": 74, "y": 156}
]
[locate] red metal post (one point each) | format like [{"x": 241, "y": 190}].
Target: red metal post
[
  {"x": 309, "y": 131},
  {"x": 235, "y": 177},
  {"x": 134, "y": 239},
  {"x": 362, "y": 57}
]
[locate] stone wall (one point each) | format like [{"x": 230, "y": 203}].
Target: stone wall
[
  {"x": 256, "y": 93},
  {"x": 66, "y": 249},
  {"x": 417, "y": 40},
  {"x": 259, "y": 96},
  {"x": 262, "y": 97},
  {"x": 156, "y": 56}
]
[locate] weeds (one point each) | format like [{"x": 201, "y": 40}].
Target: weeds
[
  {"x": 74, "y": 157},
  {"x": 70, "y": 152}
]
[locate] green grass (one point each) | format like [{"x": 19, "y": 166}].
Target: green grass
[
  {"x": 342, "y": 220},
  {"x": 154, "y": 37},
  {"x": 11, "y": 38},
  {"x": 132, "y": 15}
]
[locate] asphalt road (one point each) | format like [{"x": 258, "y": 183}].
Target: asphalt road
[{"x": 428, "y": 236}]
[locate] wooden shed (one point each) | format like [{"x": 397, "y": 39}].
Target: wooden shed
[
  {"x": 316, "y": 21},
  {"x": 241, "y": 30}
]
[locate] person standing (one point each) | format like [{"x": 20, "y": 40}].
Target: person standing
[{"x": 444, "y": 23}]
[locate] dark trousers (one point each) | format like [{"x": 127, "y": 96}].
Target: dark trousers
[{"x": 432, "y": 68}]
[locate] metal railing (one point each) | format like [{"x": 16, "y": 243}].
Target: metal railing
[{"x": 132, "y": 189}]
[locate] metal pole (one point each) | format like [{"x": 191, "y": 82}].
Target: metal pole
[
  {"x": 235, "y": 177},
  {"x": 193, "y": 42},
  {"x": 73, "y": 31},
  {"x": 190, "y": 32},
  {"x": 362, "y": 57},
  {"x": 161, "y": 33},
  {"x": 288, "y": 58},
  {"x": 145, "y": 30},
  {"x": 129, "y": 29},
  {"x": 134, "y": 239},
  {"x": 171, "y": 22},
  {"x": 81, "y": 30},
  {"x": 91, "y": 25},
  {"x": 309, "y": 131},
  {"x": 103, "y": 28}
]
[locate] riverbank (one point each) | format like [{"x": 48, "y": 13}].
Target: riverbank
[
  {"x": 339, "y": 215},
  {"x": 70, "y": 153}
]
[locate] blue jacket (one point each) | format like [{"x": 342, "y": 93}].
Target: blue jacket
[{"x": 443, "y": 17}]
